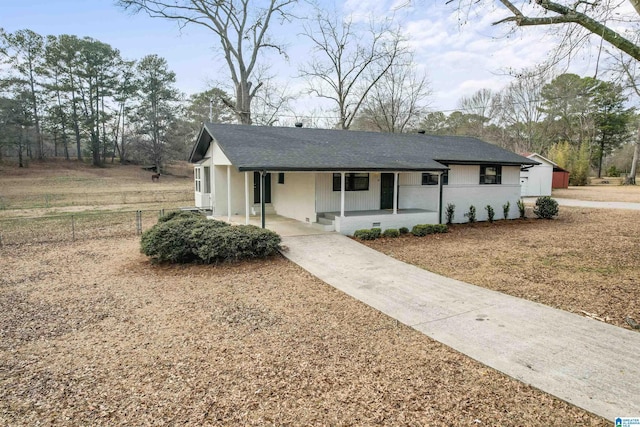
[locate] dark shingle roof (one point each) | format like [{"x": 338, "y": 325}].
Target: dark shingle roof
[{"x": 290, "y": 148}]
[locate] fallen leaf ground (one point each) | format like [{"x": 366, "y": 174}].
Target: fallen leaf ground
[
  {"x": 93, "y": 334},
  {"x": 586, "y": 260}
]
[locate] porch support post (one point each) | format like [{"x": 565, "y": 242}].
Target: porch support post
[
  {"x": 246, "y": 198},
  {"x": 229, "y": 193},
  {"x": 395, "y": 193},
  {"x": 263, "y": 174},
  {"x": 342, "y": 176}
]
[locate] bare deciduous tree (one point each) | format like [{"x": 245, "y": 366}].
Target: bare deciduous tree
[
  {"x": 348, "y": 61},
  {"x": 601, "y": 18},
  {"x": 242, "y": 30},
  {"x": 398, "y": 100}
]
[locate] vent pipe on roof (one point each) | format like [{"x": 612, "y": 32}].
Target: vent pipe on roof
[
  {"x": 298, "y": 124},
  {"x": 421, "y": 131}
]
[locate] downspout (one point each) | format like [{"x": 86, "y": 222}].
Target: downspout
[
  {"x": 440, "y": 199},
  {"x": 262, "y": 194}
]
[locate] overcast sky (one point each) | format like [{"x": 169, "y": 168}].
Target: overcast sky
[{"x": 459, "y": 59}]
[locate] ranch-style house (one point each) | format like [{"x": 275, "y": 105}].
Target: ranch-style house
[{"x": 347, "y": 180}]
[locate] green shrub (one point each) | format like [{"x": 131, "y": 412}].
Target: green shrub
[
  {"x": 235, "y": 243},
  {"x": 522, "y": 209},
  {"x": 391, "y": 232},
  {"x": 450, "y": 212},
  {"x": 490, "y": 212},
  {"x": 367, "y": 234},
  {"x": 185, "y": 239},
  {"x": 181, "y": 215},
  {"x": 404, "y": 230},
  {"x": 505, "y": 210},
  {"x": 546, "y": 207},
  {"x": 613, "y": 171},
  {"x": 471, "y": 215},
  {"x": 421, "y": 230}
]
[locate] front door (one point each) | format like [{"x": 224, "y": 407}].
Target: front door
[
  {"x": 386, "y": 190},
  {"x": 256, "y": 188}
]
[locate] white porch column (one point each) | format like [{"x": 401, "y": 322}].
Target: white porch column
[
  {"x": 246, "y": 198},
  {"x": 342, "y": 176},
  {"x": 395, "y": 193},
  {"x": 229, "y": 193}
]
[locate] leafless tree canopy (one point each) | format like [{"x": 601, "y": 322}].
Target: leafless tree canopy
[
  {"x": 607, "y": 19},
  {"x": 241, "y": 27},
  {"x": 348, "y": 61}
]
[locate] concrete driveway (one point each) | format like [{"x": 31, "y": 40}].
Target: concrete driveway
[{"x": 588, "y": 363}]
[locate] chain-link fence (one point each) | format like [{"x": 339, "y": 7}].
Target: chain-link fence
[{"x": 77, "y": 226}]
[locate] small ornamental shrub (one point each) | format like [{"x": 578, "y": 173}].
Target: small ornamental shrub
[
  {"x": 404, "y": 230},
  {"x": 450, "y": 212},
  {"x": 471, "y": 215},
  {"x": 367, "y": 234},
  {"x": 546, "y": 207},
  {"x": 505, "y": 210},
  {"x": 521, "y": 209},
  {"x": 421, "y": 230},
  {"x": 490, "y": 212},
  {"x": 235, "y": 243},
  {"x": 391, "y": 232},
  {"x": 186, "y": 238},
  {"x": 613, "y": 171}
]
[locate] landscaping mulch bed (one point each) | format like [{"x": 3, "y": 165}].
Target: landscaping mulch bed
[
  {"x": 586, "y": 261},
  {"x": 92, "y": 333}
]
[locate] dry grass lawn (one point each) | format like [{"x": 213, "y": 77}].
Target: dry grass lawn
[
  {"x": 91, "y": 333},
  {"x": 586, "y": 260},
  {"x": 601, "y": 193}
]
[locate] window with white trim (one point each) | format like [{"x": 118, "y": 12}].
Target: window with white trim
[
  {"x": 429, "y": 178},
  {"x": 491, "y": 174},
  {"x": 198, "y": 179},
  {"x": 352, "y": 182}
]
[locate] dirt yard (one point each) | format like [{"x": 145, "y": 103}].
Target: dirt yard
[
  {"x": 93, "y": 334},
  {"x": 586, "y": 260}
]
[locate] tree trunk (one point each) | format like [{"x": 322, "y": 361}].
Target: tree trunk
[
  {"x": 634, "y": 163},
  {"x": 243, "y": 102}
]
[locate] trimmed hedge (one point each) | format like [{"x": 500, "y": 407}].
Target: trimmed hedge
[
  {"x": 367, "y": 234},
  {"x": 190, "y": 238},
  {"x": 404, "y": 230},
  {"x": 421, "y": 230},
  {"x": 391, "y": 232},
  {"x": 181, "y": 215}
]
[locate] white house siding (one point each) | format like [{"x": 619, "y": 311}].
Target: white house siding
[
  {"x": 537, "y": 180},
  {"x": 237, "y": 190},
  {"x": 328, "y": 200},
  {"x": 413, "y": 195},
  {"x": 349, "y": 224},
  {"x": 464, "y": 189},
  {"x": 296, "y": 197}
]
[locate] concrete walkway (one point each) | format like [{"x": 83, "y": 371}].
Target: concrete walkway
[{"x": 588, "y": 363}]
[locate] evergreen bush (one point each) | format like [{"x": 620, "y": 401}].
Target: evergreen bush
[
  {"x": 522, "y": 209},
  {"x": 404, "y": 230},
  {"x": 450, "y": 212},
  {"x": 490, "y": 212},
  {"x": 546, "y": 207},
  {"x": 505, "y": 210},
  {"x": 391, "y": 232},
  {"x": 471, "y": 215},
  {"x": 189, "y": 238},
  {"x": 421, "y": 230}
]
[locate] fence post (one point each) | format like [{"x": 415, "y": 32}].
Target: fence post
[
  {"x": 73, "y": 228},
  {"x": 138, "y": 222}
]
